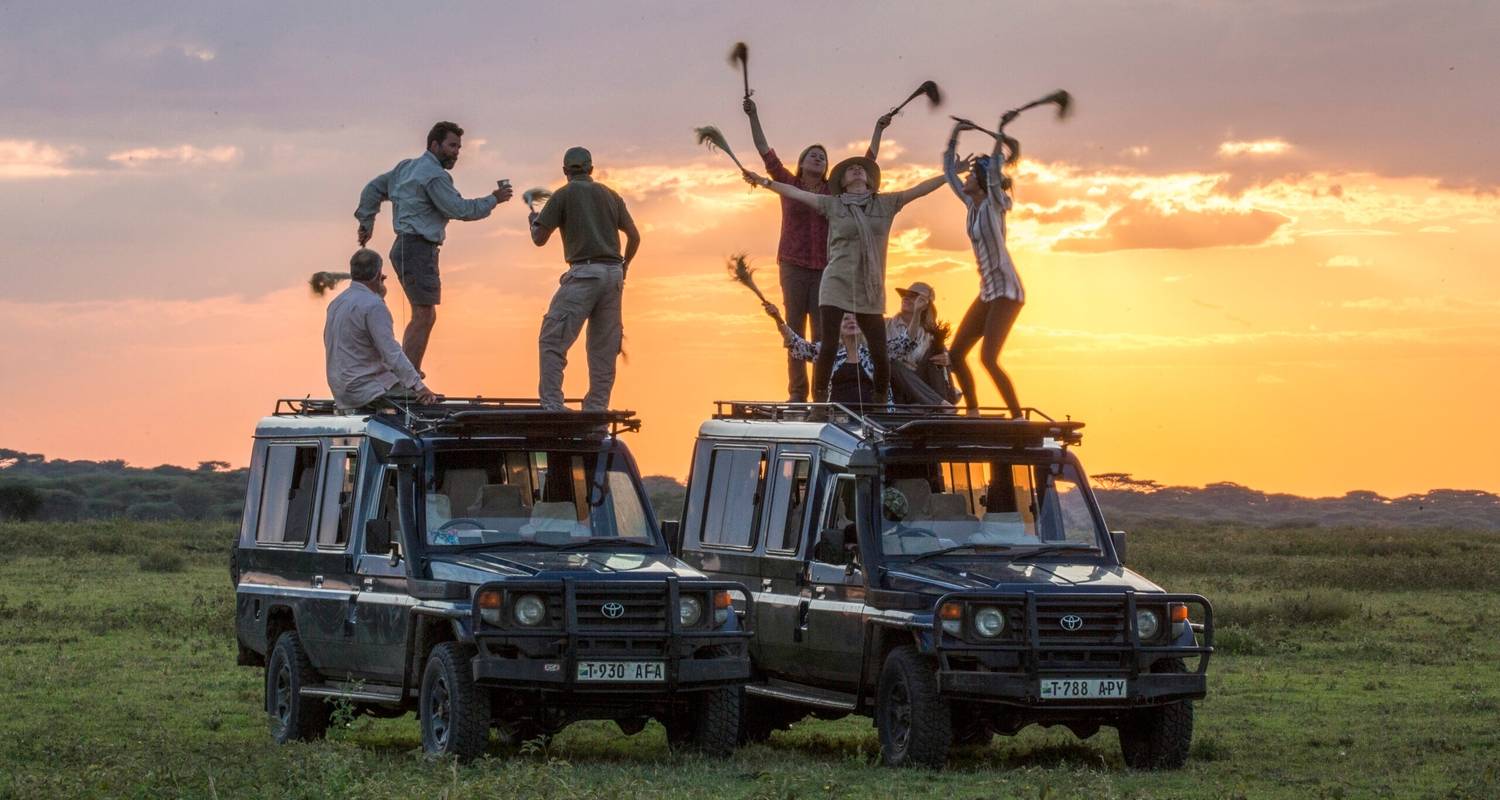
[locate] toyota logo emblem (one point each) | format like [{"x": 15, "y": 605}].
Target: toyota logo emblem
[
  {"x": 612, "y": 610},
  {"x": 1071, "y": 622}
]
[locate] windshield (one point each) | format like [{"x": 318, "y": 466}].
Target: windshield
[
  {"x": 979, "y": 505},
  {"x": 476, "y": 498}
]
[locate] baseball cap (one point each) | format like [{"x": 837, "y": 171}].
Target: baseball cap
[{"x": 577, "y": 157}]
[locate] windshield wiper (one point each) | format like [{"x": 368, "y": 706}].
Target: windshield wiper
[
  {"x": 1054, "y": 548},
  {"x": 954, "y": 549},
  {"x": 609, "y": 540}
]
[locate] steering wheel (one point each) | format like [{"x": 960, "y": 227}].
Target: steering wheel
[{"x": 461, "y": 521}]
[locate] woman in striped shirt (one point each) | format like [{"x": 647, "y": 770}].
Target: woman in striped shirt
[{"x": 985, "y": 192}]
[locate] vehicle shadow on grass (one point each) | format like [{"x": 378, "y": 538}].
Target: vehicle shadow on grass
[{"x": 1002, "y": 753}]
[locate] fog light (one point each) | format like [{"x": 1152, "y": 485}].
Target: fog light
[
  {"x": 989, "y": 622},
  {"x": 952, "y": 616},
  {"x": 530, "y": 610},
  {"x": 489, "y": 607},
  {"x": 723, "y": 604},
  {"x": 689, "y": 611},
  {"x": 1147, "y": 623}
]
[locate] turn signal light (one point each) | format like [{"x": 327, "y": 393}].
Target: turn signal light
[
  {"x": 1177, "y": 612},
  {"x": 723, "y": 600},
  {"x": 489, "y": 599},
  {"x": 489, "y": 607},
  {"x": 951, "y": 611}
]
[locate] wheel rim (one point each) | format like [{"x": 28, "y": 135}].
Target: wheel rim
[
  {"x": 898, "y": 714},
  {"x": 283, "y": 696},
  {"x": 438, "y": 710}
]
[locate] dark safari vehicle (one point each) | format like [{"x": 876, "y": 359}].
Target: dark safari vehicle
[
  {"x": 950, "y": 576},
  {"x": 484, "y": 563}
]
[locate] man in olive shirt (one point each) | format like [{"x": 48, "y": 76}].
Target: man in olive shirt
[{"x": 591, "y": 217}]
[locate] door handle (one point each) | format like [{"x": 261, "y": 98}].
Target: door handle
[
  {"x": 765, "y": 584},
  {"x": 369, "y": 584},
  {"x": 317, "y": 581},
  {"x": 820, "y": 592},
  {"x": 801, "y": 621}
]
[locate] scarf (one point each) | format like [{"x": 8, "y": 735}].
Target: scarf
[{"x": 872, "y": 268}]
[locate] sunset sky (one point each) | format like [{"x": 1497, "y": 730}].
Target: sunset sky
[{"x": 1263, "y": 250}]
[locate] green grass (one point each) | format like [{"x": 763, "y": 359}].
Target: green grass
[{"x": 1357, "y": 665}]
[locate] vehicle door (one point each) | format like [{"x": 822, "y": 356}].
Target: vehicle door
[
  {"x": 378, "y": 613},
  {"x": 778, "y": 594},
  {"x": 731, "y": 515},
  {"x": 280, "y": 567},
  {"x": 832, "y": 607},
  {"x": 325, "y": 633}
]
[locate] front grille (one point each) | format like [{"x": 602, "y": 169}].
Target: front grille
[
  {"x": 642, "y": 608},
  {"x": 1102, "y": 623}
]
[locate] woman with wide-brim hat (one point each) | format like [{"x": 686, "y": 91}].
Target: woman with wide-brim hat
[
  {"x": 859, "y": 227},
  {"x": 985, "y": 192},
  {"x": 802, "y": 252}
]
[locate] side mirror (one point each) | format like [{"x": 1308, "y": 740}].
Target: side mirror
[
  {"x": 830, "y": 547},
  {"x": 671, "y": 530},
  {"x": 378, "y": 536},
  {"x": 1118, "y": 538}
]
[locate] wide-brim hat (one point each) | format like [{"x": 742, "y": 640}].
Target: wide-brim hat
[
  {"x": 919, "y": 289},
  {"x": 836, "y": 177}
]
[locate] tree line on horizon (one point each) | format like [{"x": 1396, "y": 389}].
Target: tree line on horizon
[{"x": 33, "y": 487}]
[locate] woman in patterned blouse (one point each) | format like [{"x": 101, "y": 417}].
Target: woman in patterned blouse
[
  {"x": 846, "y": 384},
  {"x": 989, "y": 319}
]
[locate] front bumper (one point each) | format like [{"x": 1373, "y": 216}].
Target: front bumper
[
  {"x": 691, "y": 659},
  {"x": 1010, "y": 672}
]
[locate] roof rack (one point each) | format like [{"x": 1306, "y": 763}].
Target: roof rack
[
  {"x": 477, "y": 414},
  {"x": 904, "y": 422}
]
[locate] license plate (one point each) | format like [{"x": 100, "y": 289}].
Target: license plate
[
  {"x": 627, "y": 671},
  {"x": 1083, "y": 689}
]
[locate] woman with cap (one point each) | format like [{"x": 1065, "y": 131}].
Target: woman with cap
[
  {"x": 985, "y": 192},
  {"x": 919, "y": 357},
  {"x": 802, "y": 252},
  {"x": 859, "y": 227}
]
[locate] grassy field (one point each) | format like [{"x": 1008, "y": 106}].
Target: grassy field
[{"x": 1353, "y": 664}]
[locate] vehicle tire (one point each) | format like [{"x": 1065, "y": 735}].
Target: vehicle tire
[
  {"x": 455, "y": 714},
  {"x": 760, "y": 717},
  {"x": 1159, "y": 737},
  {"x": 293, "y": 717},
  {"x": 710, "y": 724},
  {"x": 915, "y": 723}
]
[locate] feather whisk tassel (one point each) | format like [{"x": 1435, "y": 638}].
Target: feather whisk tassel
[
  {"x": 321, "y": 282},
  {"x": 713, "y": 138}
]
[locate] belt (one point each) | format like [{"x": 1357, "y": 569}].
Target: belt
[{"x": 589, "y": 262}]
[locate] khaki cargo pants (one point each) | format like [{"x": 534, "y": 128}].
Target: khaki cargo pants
[{"x": 588, "y": 292}]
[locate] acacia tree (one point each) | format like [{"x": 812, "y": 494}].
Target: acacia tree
[{"x": 19, "y": 502}]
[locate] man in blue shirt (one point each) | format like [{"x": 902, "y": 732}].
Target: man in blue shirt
[{"x": 422, "y": 201}]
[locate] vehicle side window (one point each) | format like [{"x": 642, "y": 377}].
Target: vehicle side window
[
  {"x": 736, "y": 481},
  {"x": 838, "y": 515},
  {"x": 286, "y": 498},
  {"x": 339, "y": 474},
  {"x": 788, "y": 502},
  {"x": 386, "y": 506}
]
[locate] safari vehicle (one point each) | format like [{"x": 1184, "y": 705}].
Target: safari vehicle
[
  {"x": 950, "y": 576},
  {"x": 484, "y": 563}
]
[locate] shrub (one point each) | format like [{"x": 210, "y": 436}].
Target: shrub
[
  {"x": 1236, "y": 641},
  {"x": 162, "y": 561}
]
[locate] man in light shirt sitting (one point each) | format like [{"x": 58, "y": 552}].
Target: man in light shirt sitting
[{"x": 365, "y": 364}]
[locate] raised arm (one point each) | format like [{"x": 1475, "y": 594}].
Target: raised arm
[
  {"x": 950, "y": 162},
  {"x": 787, "y": 190},
  {"x": 883, "y": 122},
  {"x": 756, "y": 134},
  {"x": 377, "y": 191},
  {"x": 920, "y": 190},
  {"x": 447, "y": 200},
  {"x": 994, "y": 179}
]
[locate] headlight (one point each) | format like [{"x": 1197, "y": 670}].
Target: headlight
[
  {"x": 1147, "y": 623},
  {"x": 689, "y": 611},
  {"x": 989, "y": 622},
  {"x": 530, "y": 610}
]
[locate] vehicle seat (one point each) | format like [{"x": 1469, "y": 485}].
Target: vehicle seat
[
  {"x": 463, "y": 487},
  {"x": 950, "y": 506},
  {"x": 918, "y": 494},
  {"x": 501, "y": 500}
]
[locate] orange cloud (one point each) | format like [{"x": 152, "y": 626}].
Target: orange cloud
[
  {"x": 27, "y": 158},
  {"x": 1141, "y": 225},
  {"x": 186, "y": 155},
  {"x": 1258, "y": 147}
]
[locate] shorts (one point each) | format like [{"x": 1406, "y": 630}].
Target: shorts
[{"x": 415, "y": 260}]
